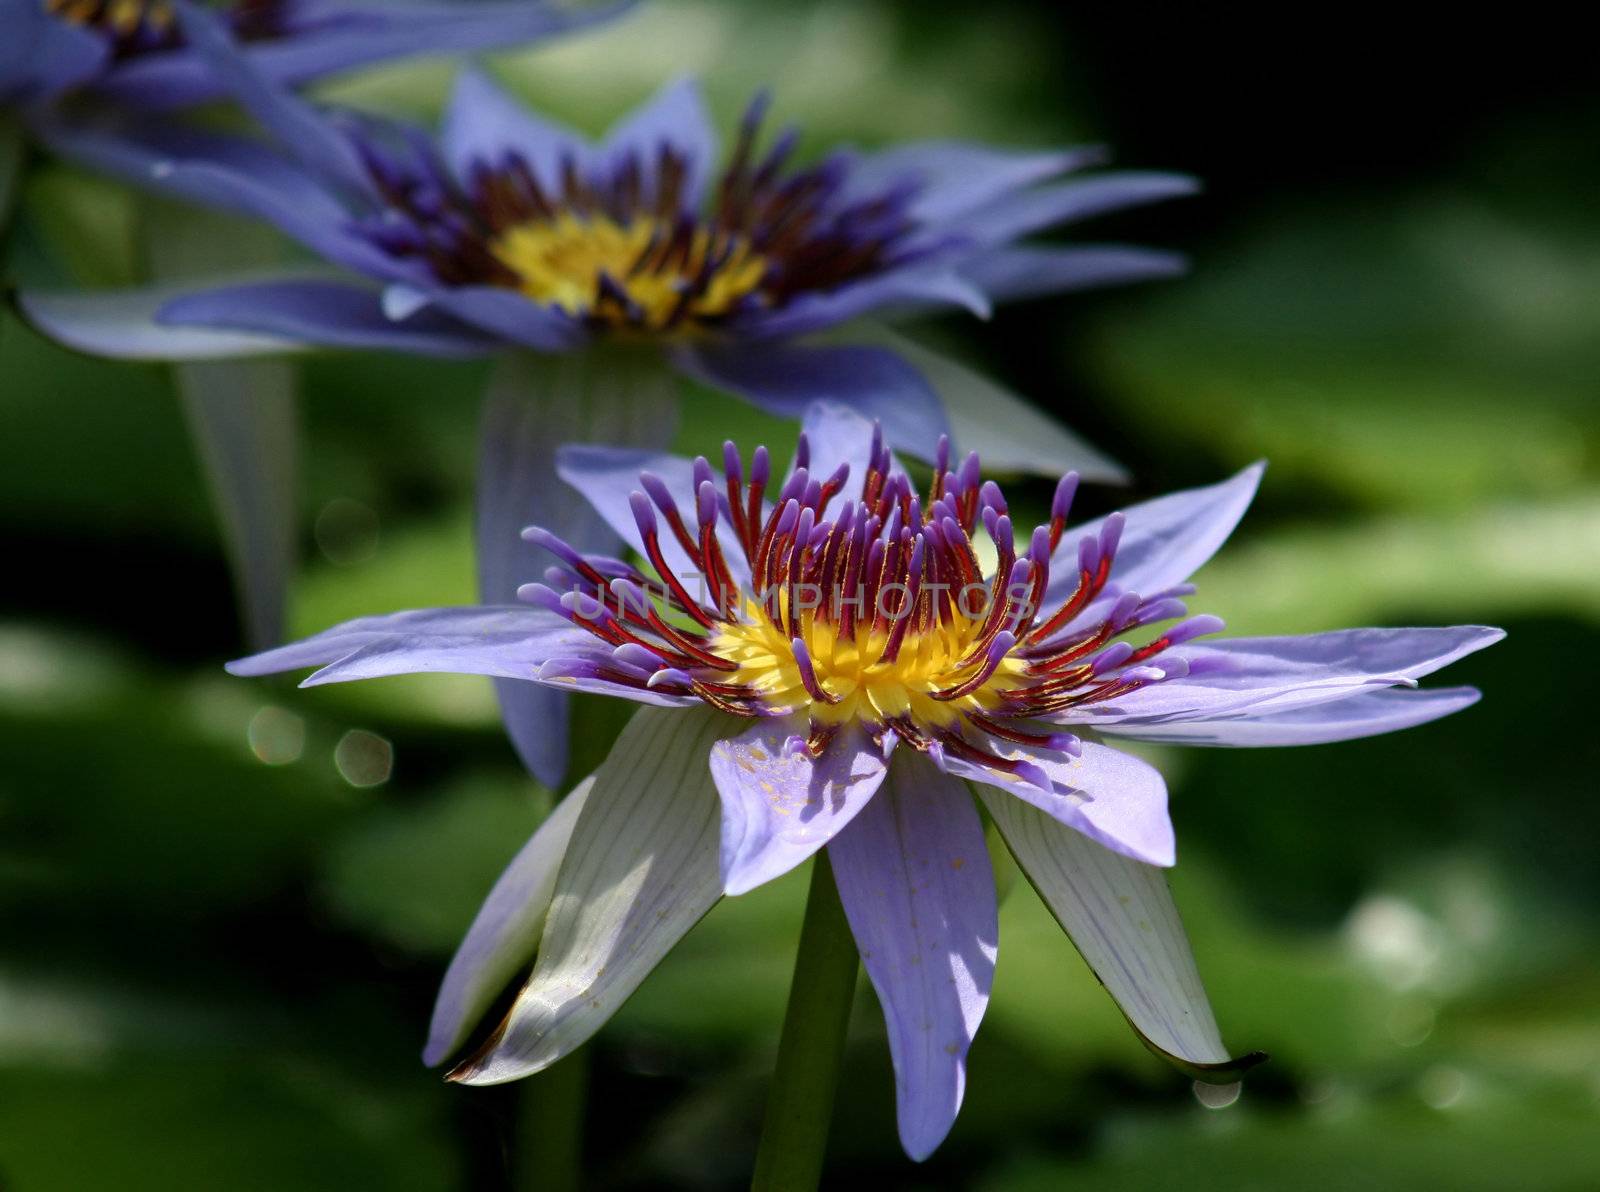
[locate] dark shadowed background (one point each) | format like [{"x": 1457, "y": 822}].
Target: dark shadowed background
[{"x": 226, "y": 904}]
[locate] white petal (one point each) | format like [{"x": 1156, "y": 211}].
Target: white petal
[
  {"x": 1120, "y": 915},
  {"x": 504, "y": 936},
  {"x": 639, "y": 872}
]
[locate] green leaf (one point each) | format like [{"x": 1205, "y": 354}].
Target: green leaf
[{"x": 1418, "y": 355}]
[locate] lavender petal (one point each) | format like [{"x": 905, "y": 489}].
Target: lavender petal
[
  {"x": 913, "y": 873},
  {"x": 780, "y": 806}
]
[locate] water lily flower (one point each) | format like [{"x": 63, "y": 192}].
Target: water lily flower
[
  {"x": 598, "y": 273},
  {"x": 135, "y": 53},
  {"x": 826, "y": 663},
  {"x": 506, "y": 231}
]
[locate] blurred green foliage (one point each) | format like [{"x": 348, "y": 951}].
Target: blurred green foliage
[{"x": 219, "y": 954}]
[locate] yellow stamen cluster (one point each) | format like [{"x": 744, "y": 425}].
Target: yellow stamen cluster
[
  {"x": 561, "y": 261},
  {"x": 853, "y": 668}
]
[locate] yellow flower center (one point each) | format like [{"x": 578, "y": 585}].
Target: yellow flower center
[
  {"x": 869, "y": 686},
  {"x": 654, "y": 280}
]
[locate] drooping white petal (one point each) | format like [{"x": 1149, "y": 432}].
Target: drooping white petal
[
  {"x": 640, "y": 870},
  {"x": 1121, "y": 916},
  {"x": 505, "y": 935}
]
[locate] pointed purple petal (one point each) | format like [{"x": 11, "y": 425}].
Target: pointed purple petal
[
  {"x": 331, "y": 37},
  {"x": 511, "y": 642},
  {"x": 1165, "y": 540},
  {"x": 293, "y": 122},
  {"x": 839, "y": 435},
  {"x": 505, "y": 314},
  {"x": 1369, "y": 714},
  {"x": 913, "y": 873},
  {"x": 1035, "y": 210},
  {"x": 1111, "y": 797},
  {"x": 1263, "y": 676},
  {"x": 227, "y": 173},
  {"x": 608, "y": 476},
  {"x": 324, "y": 313},
  {"x": 912, "y": 289},
  {"x": 1035, "y": 270},
  {"x": 675, "y": 116},
  {"x": 44, "y": 56},
  {"x": 485, "y": 125},
  {"x": 954, "y": 178}
]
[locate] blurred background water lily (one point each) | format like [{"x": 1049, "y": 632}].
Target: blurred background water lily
[
  {"x": 134, "y": 53},
  {"x": 848, "y": 669},
  {"x": 508, "y": 231}
]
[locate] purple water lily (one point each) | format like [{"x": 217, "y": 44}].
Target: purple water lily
[
  {"x": 827, "y": 663},
  {"x": 134, "y": 52},
  {"x": 507, "y": 231}
]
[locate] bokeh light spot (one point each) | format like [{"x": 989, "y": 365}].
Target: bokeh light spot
[
  {"x": 1217, "y": 1096},
  {"x": 277, "y": 737},
  {"x": 1442, "y": 1087},
  {"x": 363, "y": 758}
]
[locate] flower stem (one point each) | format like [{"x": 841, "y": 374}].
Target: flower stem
[
  {"x": 794, "y": 1135},
  {"x": 13, "y": 157},
  {"x": 548, "y": 1153}
]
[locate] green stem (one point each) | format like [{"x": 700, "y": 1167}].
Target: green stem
[
  {"x": 13, "y": 157},
  {"x": 548, "y": 1152},
  {"x": 794, "y": 1135}
]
